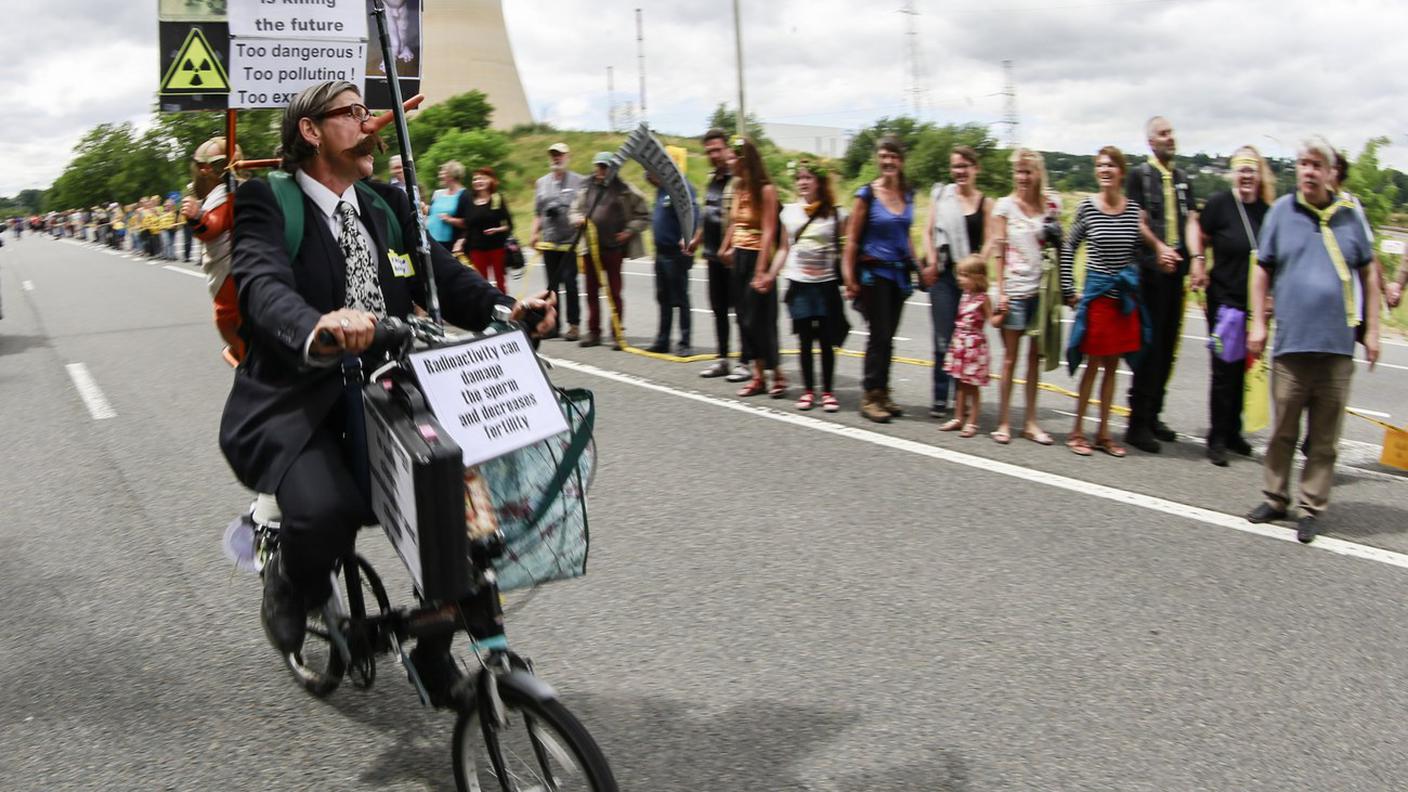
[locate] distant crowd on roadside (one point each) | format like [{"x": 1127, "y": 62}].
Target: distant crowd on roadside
[{"x": 152, "y": 227}]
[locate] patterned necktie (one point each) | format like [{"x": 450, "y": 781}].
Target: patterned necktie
[{"x": 363, "y": 285}]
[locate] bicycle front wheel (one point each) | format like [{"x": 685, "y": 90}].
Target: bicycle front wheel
[{"x": 542, "y": 747}]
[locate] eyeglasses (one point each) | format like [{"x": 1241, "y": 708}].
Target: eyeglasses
[{"x": 359, "y": 112}]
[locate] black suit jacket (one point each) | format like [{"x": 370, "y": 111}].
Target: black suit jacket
[{"x": 277, "y": 401}]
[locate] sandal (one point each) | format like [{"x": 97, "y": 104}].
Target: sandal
[
  {"x": 779, "y": 387},
  {"x": 1078, "y": 445},
  {"x": 969, "y": 431},
  {"x": 1039, "y": 437},
  {"x": 753, "y": 388},
  {"x": 829, "y": 403},
  {"x": 807, "y": 401},
  {"x": 950, "y": 425},
  {"x": 1109, "y": 446},
  {"x": 1001, "y": 437}
]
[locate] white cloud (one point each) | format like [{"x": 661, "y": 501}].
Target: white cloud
[{"x": 1088, "y": 72}]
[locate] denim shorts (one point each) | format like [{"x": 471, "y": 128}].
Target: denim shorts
[{"x": 1021, "y": 313}]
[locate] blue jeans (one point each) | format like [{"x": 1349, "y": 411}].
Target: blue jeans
[{"x": 943, "y": 310}]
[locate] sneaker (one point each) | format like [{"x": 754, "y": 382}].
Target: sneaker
[
  {"x": 282, "y": 612},
  {"x": 1306, "y": 529},
  {"x": 573, "y": 333},
  {"x": 718, "y": 368},
  {"x": 684, "y": 349},
  {"x": 591, "y": 340},
  {"x": 938, "y": 411},
  {"x": 740, "y": 373},
  {"x": 442, "y": 678},
  {"x": 1265, "y": 512}
]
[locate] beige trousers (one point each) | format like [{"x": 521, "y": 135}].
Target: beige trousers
[{"x": 1318, "y": 385}]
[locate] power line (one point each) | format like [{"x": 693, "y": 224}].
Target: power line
[
  {"x": 915, "y": 63},
  {"x": 1010, "y": 118}
]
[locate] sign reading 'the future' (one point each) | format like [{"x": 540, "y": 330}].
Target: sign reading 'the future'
[{"x": 490, "y": 395}]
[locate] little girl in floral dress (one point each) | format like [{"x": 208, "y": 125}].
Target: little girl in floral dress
[{"x": 967, "y": 357}]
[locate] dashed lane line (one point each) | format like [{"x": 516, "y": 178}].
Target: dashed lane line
[{"x": 92, "y": 395}]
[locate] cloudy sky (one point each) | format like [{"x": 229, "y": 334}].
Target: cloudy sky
[{"x": 1087, "y": 72}]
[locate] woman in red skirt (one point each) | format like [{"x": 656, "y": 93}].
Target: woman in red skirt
[
  {"x": 482, "y": 225},
  {"x": 1109, "y": 320}
]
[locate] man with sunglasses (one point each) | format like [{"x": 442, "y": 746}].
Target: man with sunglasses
[{"x": 282, "y": 429}]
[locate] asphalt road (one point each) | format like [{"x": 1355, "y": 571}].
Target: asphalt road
[{"x": 774, "y": 602}]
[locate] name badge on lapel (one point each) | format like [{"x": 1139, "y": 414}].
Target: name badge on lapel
[{"x": 401, "y": 264}]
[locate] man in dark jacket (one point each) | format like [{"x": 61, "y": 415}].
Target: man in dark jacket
[
  {"x": 619, "y": 213},
  {"x": 283, "y": 422},
  {"x": 1166, "y": 195}
]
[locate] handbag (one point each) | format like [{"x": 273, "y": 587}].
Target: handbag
[
  {"x": 1228, "y": 339},
  {"x": 513, "y": 254}
]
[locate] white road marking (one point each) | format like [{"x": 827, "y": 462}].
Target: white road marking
[
  {"x": 93, "y": 397},
  {"x": 1374, "y": 413},
  {"x": 27, "y": 285},
  {"x": 1078, "y": 486},
  {"x": 184, "y": 271}
]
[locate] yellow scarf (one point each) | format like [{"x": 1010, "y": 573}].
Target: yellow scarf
[
  {"x": 1333, "y": 248},
  {"x": 1170, "y": 203}
]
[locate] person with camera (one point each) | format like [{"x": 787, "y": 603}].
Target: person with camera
[
  {"x": 284, "y": 425},
  {"x": 553, "y": 234}
]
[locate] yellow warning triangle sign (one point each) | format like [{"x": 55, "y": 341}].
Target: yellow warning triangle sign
[{"x": 195, "y": 69}]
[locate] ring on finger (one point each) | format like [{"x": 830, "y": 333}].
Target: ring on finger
[{"x": 346, "y": 323}]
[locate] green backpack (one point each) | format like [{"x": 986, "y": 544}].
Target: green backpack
[{"x": 290, "y": 199}]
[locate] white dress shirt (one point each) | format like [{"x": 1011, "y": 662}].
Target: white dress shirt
[{"x": 326, "y": 200}]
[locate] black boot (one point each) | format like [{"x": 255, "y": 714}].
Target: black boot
[{"x": 283, "y": 612}]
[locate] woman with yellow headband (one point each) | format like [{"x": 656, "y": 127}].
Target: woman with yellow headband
[{"x": 1228, "y": 228}]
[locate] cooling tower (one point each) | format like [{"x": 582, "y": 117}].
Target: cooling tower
[{"x": 467, "y": 48}]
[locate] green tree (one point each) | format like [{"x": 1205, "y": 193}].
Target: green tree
[
  {"x": 97, "y": 159},
  {"x": 1373, "y": 186},
  {"x": 473, "y": 149},
  {"x": 463, "y": 112},
  {"x": 727, "y": 120}
]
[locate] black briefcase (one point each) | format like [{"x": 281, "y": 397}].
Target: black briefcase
[{"x": 417, "y": 487}]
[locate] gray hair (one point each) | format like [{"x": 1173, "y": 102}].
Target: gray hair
[
  {"x": 1149, "y": 125},
  {"x": 1317, "y": 144},
  {"x": 309, "y": 103},
  {"x": 453, "y": 169}
]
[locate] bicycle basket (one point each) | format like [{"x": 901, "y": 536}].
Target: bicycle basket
[{"x": 537, "y": 498}]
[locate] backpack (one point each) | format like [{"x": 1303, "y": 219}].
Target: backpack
[{"x": 290, "y": 199}]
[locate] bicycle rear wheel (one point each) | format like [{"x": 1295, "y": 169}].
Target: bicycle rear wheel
[
  {"x": 319, "y": 667},
  {"x": 542, "y": 748}
]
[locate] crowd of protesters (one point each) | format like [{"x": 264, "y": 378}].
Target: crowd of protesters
[
  {"x": 151, "y": 227},
  {"x": 1007, "y": 263}
]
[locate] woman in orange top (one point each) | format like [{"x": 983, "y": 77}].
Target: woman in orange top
[{"x": 747, "y": 248}]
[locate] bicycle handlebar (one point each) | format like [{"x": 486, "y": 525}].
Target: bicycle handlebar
[{"x": 390, "y": 335}]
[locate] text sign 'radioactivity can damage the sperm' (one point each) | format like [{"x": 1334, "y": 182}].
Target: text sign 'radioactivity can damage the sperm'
[{"x": 490, "y": 395}]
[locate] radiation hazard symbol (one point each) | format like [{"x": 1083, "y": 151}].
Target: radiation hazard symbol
[{"x": 195, "y": 69}]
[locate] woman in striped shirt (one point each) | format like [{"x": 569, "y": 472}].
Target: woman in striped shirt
[{"x": 1110, "y": 319}]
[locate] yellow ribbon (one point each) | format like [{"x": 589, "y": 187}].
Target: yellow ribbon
[
  {"x": 1170, "y": 204},
  {"x": 1238, "y": 162},
  {"x": 1333, "y": 248}
]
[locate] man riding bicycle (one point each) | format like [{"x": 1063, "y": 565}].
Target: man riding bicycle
[{"x": 283, "y": 426}]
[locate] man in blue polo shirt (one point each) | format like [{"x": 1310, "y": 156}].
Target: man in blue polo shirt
[{"x": 1311, "y": 250}]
